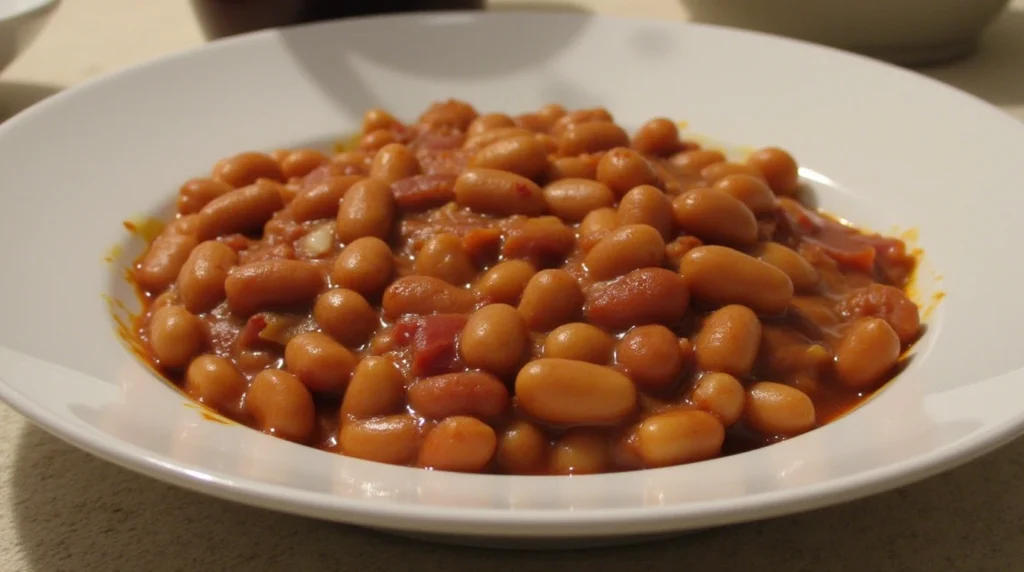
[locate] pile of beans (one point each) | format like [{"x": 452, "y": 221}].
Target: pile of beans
[{"x": 537, "y": 294}]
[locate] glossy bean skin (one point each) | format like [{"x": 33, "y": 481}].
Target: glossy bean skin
[
  {"x": 346, "y": 316},
  {"x": 242, "y": 210},
  {"x": 424, "y": 295},
  {"x": 394, "y": 439},
  {"x": 377, "y": 118},
  {"x": 693, "y": 162},
  {"x": 499, "y": 193},
  {"x": 728, "y": 341},
  {"x": 720, "y": 394},
  {"x": 658, "y": 136},
  {"x": 679, "y": 437},
  {"x": 573, "y": 199},
  {"x": 215, "y": 382},
  {"x": 589, "y": 115},
  {"x": 645, "y": 296},
  {"x": 367, "y": 209},
  {"x": 269, "y": 284},
  {"x": 321, "y": 201},
  {"x": 582, "y": 167},
  {"x": 320, "y": 363},
  {"x": 523, "y": 155},
  {"x": 376, "y": 388},
  {"x": 466, "y": 393},
  {"x": 196, "y": 193},
  {"x": 522, "y": 449},
  {"x": 477, "y": 141},
  {"x": 494, "y": 340},
  {"x": 301, "y": 162},
  {"x": 461, "y": 444},
  {"x": 721, "y": 276},
  {"x": 580, "y": 451},
  {"x": 622, "y": 169},
  {"x": 570, "y": 392},
  {"x": 751, "y": 191},
  {"x": 867, "y": 352},
  {"x": 175, "y": 336},
  {"x": 646, "y": 204},
  {"x": 778, "y": 168},
  {"x": 450, "y": 113},
  {"x": 714, "y": 216},
  {"x": 804, "y": 277},
  {"x": 579, "y": 341},
  {"x": 505, "y": 282},
  {"x": 489, "y": 121},
  {"x": 365, "y": 265},
  {"x": 201, "y": 280},
  {"x": 281, "y": 405},
  {"x": 717, "y": 171},
  {"x": 591, "y": 137},
  {"x": 394, "y": 162},
  {"x": 625, "y": 249},
  {"x": 551, "y": 298},
  {"x": 650, "y": 354},
  {"x": 160, "y": 265},
  {"x": 595, "y": 226},
  {"x": 543, "y": 241},
  {"x": 777, "y": 409},
  {"x": 444, "y": 257},
  {"x": 247, "y": 168}
]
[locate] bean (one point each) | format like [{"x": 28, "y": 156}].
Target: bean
[
  {"x": 376, "y": 140},
  {"x": 201, "y": 280},
  {"x": 321, "y": 364},
  {"x": 495, "y": 339},
  {"x": 450, "y": 113},
  {"x": 579, "y": 341},
  {"x": 394, "y": 162},
  {"x": 679, "y": 437},
  {"x": 175, "y": 336},
  {"x": 714, "y": 216},
  {"x": 551, "y": 298},
  {"x": 464, "y": 393},
  {"x": 717, "y": 171},
  {"x": 591, "y": 115},
  {"x": 750, "y": 191},
  {"x": 535, "y": 122},
  {"x": 778, "y": 168},
  {"x": 443, "y": 256},
  {"x": 246, "y": 168},
  {"x": 572, "y": 199},
  {"x": 659, "y": 136},
  {"x": 462, "y": 444},
  {"x": 271, "y": 284},
  {"x": 301, "y": 162},
  {"x": 196, "y": 193},
  {"x": 622, "y": 169},
  {"x": 346, "y": 316},
  {"x": 160, "y": 265},
  {"x": 580, "y": 452},
  {"x": 720, "y": 394},
  {"x": 215, "y": 382},
  {"x": 377, "y": 388},
  {"x": 721, "y": 276},
  {"x": 582, "y": 167},
  {"x": 377, "y": 118},
  {"x": 489, "y": 191},
  {"x": 625, "y": 249},
  {"x": 489, "y": 121},
  {"x": 693, "y": 162},
  {"x": 393, "y": 439},
  {"x": 646, "y": 205},
  {"x": 480, "y": 140},
  {"x": 281, "y": 405},
  {"x": 424, "y": 191},
  {"x": 645, "y": 296},
  {"x": 867, "y": 352},
  {"x": 886, "y": 302},
  {"x": 424, "y": 295},
  {"x": 366, "y": 265},
  {"x": 728, "y": 341},
  {"x": 522, "y": 448},
  {"x": 804, "y": 277},
  {"x": 570, "y": 392},
  {"x": 591, "y": 137},
  {"x": 242, "y": 210},
  {"x": 544, "y": 241},
  {"x": 552, "y": 111},
  {"x": 777, "y": 409},
  {"x": 523, "y": 155},
  {"x": 650, "y": 354},
  {"x": 505, "y": 282},
  {"x": 355, "y": 162},
  {"x": 322, "y": 200},
  {"x": 367, "y": 209}
]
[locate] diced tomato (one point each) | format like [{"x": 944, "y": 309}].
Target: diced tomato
[
  {"x": 250, "y": 332},
  {"x": 482, "y": 244},
  {"x": 433, "y": 340},
  {"x": 423, "y": 191}
]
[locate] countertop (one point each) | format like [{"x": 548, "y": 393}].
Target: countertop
[{"x": 62, "y": 509}]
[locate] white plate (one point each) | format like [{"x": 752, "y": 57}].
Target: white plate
[{"x": 886, "y": 148}]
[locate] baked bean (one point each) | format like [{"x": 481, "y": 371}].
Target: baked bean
[
  {"x": 728, "y": 341},
  {"x": 804, "y": 277},
  {"x": 320, "y": 363},
  {"x": 462, "y": 444},
  {"x": 544, "y": 241},
  {"x": 240, "y": 211},
  {"x": 175, "y": 336},
  {"x": 595, "y": 226},
  {"x": 659, "y": 136},
  {"x": 495, "y": 339},
  {"x": 345, "y": 316},
  {"x": 465, "y": 393},
  {"x": 867, "y": 352},
  {"x": 356, "y": 162},
  {"x": 677, "y": 249},
  {"x": 195, "y": 193},
  {"x": 281, "y": 405},
  {"x": 321, "y": 201},
  {"x": 591, "y": 137},
  {"x": 720, "y": 276},
  {"x": 522, "y": 448},
  {"x": 714, "y": 216},
  {"x": 646, "y": 204},
  {"x": 489, "y": 121},
  {"x": 393, "y": 439},
  {"x": 523, "y": 155},
  {"x": 650, "y": 354},
  {"x": 886, "y": 302},
  {"x": 552, "y": 111},
  {"x": 505, "y": 282},
  {"x": 376, "y": 140},
  {"x": 579, "y": 341},
  {"x": 720, "y": 394},
  {"x": 366, "y": 265},
  {"x": 422, "y": 192},
  {"x": 717, "y": 171},
  {"x": 367, "y": 209},
  {"x": 645, "y": 296},
  {"x": 622, "y": 169},
  {"x": 483, "y": 139},
  {"x": 215, "y": 382},
  {"x": 535, "y": 122},
  {"x": 376, "y": 388},
  {"x": 551, "y": 298},
  {"x": 750, "y": 191},
  {"x": 582, "y": 167},
  {"x": 201, "y": 280},
  {"x": 580, "y": 452},
  {"x": 377, "y": 118},
  {"x": 499, "y": 193},
  {"x": 778, "y": 168},
  {"x": 693, "y": 162},
  {"x": 590, "y": 115},
  {"x": 160, "y": 265},
  {"x": 271, "y": 284},
  {"x": 394, "y": 162},
  {"x": 777, "y": 409},
  {"x": 451, "y": 113},
  {"x": 301, "y": 162},
  {"x": 444, "y": 257},
  {"x": 246, "y": 168},
  {"x": 625, "y": 249},
  {"x": 570, "y": 392},
  {"x": 679, "y": 437},
  {"x": 572, "y": 199},
  {"x": 184, "y": 224},
  {"x": 424, "y": 295}
]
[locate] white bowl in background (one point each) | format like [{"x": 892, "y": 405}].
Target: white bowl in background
[
  {"x": 20, "y": 22},
  {"x": 908, "y": 32}
]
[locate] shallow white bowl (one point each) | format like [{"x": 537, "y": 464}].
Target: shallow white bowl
[
  {"x": 20, "y": 22},
  {"x": 883, "y": 147}
]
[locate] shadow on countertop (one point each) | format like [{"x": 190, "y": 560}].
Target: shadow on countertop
[
  {"x": 16, "y": 96},
  {"x": 76, "y": 512}
]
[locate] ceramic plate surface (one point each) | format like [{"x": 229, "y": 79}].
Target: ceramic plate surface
[{"x": 884, "y": 148}]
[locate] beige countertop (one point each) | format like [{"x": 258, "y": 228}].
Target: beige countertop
[{"x": 62, "y": 509}]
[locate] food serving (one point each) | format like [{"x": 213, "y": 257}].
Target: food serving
[{"x": 537, "y": 294}]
